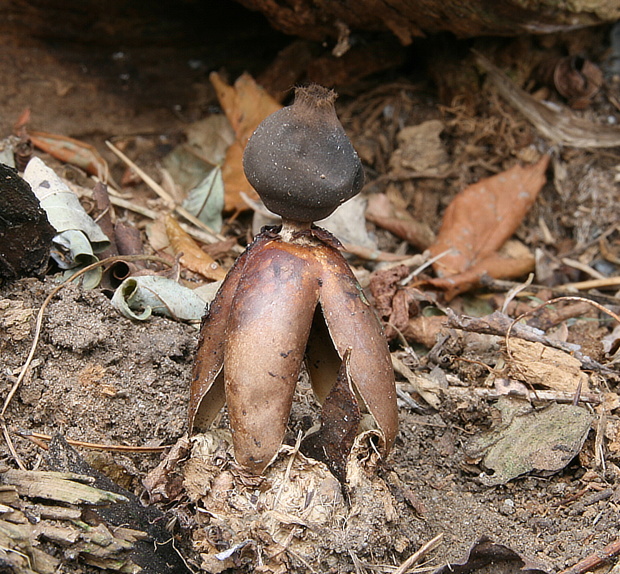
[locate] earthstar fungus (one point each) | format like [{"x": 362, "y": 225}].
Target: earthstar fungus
[{"x": 291, "y": 297}]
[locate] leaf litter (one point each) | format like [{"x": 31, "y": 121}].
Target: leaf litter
[{"x": 455, "y": 381}]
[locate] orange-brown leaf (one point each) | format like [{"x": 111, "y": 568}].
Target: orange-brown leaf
[
  {"x": 194, "y": 258},
  {"x": 495, "y": 265},
  {"x": 72, "y": 151},
  {"x": 246, "y": 105},
  {"x": 399, "y": 221},
  {"x": 235, "y": 181},
  {"x": 479, "y": 221}
]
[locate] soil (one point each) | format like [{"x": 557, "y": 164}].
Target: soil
[{"x": 99, "y": 377}]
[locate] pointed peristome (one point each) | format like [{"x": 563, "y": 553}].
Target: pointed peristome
[{"x": 300, "y": 160}]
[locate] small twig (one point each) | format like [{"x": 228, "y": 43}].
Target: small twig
[
  {"x": 501, "y": 286},
  {"x": 146, "y": 178},
  {"x": 551, "y": 302},
  {"x": 198, "y": 234},
  {"x": 131, "y": 206},
  {"x": 374, "y": 254},
  {"x": 595, "y": 560},
  {"x": 41, "y": 440},
  {"x": 406, "y": 397},
  {"x": 163, "y": 194},
  {"x": 599, "y": 451},
  {"x": 416, "y": 556},
  {"x": 583, "y": 268},
  {"x": 577, "y": 396},
  {"x": 594, "y": 283},
  {"x": 9, "y": 442},
  {"x": 422, "y": 267},
  {"x": 543, "y": 396},
  {"x": 289, "y": 466},
  {"x": 515, "y": 291},
  {"x": 428, "y": 392},
  {"x": 499, "y": 323}
]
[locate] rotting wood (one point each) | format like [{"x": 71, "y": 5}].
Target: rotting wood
[
  {"x": 408, "y": 19},
  {"x": 61, "y": 521}
]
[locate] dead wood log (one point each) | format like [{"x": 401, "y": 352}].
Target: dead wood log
[
  {"x": 39, "y": 508},
  {"x": 409, "y": 18}
]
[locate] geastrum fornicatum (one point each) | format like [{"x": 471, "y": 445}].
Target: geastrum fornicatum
[{"x": 290, "y": 297}]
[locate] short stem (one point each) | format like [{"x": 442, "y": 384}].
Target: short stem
[{"x": 290, "y": 227}]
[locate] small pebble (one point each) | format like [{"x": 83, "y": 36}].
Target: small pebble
[{"x": 508, "y": 507}]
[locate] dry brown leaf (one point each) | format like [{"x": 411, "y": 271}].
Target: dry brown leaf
[
  {"x": 246, "y": 105},
  {"x": 382, "y": 212},
  {"x": 72, "y": 151},
  {"x": 479, "y": 221},
  {"x": 235, "y": 182},
  {"x": 194, "y": 258},
  {"x": 496, "y": 265},
  {"x": 536, "y": 364},
  {"x": 425, "y": 330}
]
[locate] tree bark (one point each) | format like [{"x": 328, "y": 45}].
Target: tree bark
[{"x": 321, "y": 19}]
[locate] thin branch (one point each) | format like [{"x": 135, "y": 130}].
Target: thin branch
[
  {"x": 416, "y": 556},
  {"x": 38, "y": 437},
  {"x": 595, "y": 560},
  {"x": 551, "y": 302},
  {"x": 163, "y": 194}
]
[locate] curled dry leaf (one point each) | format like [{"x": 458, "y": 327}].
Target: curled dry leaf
[
  {"x": 575, "y": 78},
  {"x": 578, "y": 80},
  {"x": 139, "y": 297},
  {"x": 246, "y": 105},
  {"x": 478, "y": 222},
  {"x": 194, "y": 258},
  {"x": 72, "y": 151},
  {"x": 390, "y": 299}
]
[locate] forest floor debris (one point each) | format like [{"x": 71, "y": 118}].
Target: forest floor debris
[{"x": 98, "y": 377}]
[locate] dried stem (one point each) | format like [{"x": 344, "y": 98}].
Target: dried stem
[
  {"x": 416, "y": 556},
  {"x": 595, "y": 560},
  {"x": 42, "y": 439},
  {"x": 551, "y": 302},
  {"x": 290, "y": 228},
  {"x": 163, "y": 194}
]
